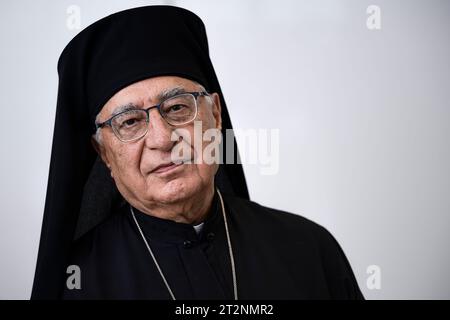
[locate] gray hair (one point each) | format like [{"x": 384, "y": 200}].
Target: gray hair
[{"x": 98, "y": 133}]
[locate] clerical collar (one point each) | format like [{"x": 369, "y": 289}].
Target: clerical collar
[
  {"x": 198, "y": 227},
  {"x": 165, "y": 230}
]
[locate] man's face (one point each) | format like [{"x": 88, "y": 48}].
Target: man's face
[{"x": 133, "y": 164}]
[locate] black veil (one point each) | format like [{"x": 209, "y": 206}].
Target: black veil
[{"x": 107, "y": 56}]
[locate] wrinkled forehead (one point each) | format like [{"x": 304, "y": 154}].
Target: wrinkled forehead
[{"x": 150, "y": 91}]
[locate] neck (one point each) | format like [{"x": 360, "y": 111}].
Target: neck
[{"x": 191, "y": 211}]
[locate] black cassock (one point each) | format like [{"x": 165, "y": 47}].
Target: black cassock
[{"x": 278, "y": 255}]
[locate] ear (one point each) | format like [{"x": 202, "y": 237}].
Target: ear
[
  {"x": 100, "y": 151},
  {"x": 217, "y": 110}
]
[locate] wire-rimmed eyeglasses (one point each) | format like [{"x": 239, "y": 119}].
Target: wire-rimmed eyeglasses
[{"x": 132, "y": 124}]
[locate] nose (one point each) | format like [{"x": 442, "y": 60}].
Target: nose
[{"x": 159, "y": 133}]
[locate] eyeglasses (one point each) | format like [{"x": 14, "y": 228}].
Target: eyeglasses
[{"x": 132, "y": 124}]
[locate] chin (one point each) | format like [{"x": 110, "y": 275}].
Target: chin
[{"x": 176, "y": 190}]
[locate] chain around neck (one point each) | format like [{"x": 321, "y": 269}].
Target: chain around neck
[{"x": 230, "y": 250}]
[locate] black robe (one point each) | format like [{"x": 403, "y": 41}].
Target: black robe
[{"x": 278, "y": 255}]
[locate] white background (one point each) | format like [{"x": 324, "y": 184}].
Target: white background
[{"x": 363, "y": 118}]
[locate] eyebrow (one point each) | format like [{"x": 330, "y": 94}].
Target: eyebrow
[
  {"x": 123, "y": 108},
  {"x": 164, "y": 95},
  {"x": 169, "y": 93}
]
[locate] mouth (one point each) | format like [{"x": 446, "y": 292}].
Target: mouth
[{"x": 167, "y": 167}]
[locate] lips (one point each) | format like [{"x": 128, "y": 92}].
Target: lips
[{"x": 166, "y": 167}]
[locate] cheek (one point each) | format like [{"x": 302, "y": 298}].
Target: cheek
[
  {"x": 207, "y": 118},
  {"x": 206, "y": 171},
  {"x": 125, "y": 162}
]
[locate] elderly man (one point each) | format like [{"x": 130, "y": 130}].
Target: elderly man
[{"x": 141, "y": 221}]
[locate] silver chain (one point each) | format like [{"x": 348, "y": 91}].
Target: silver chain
[{"x": 230, "y": 250}]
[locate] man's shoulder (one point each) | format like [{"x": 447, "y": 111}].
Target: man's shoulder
[{"x": 297, "y": 236}]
